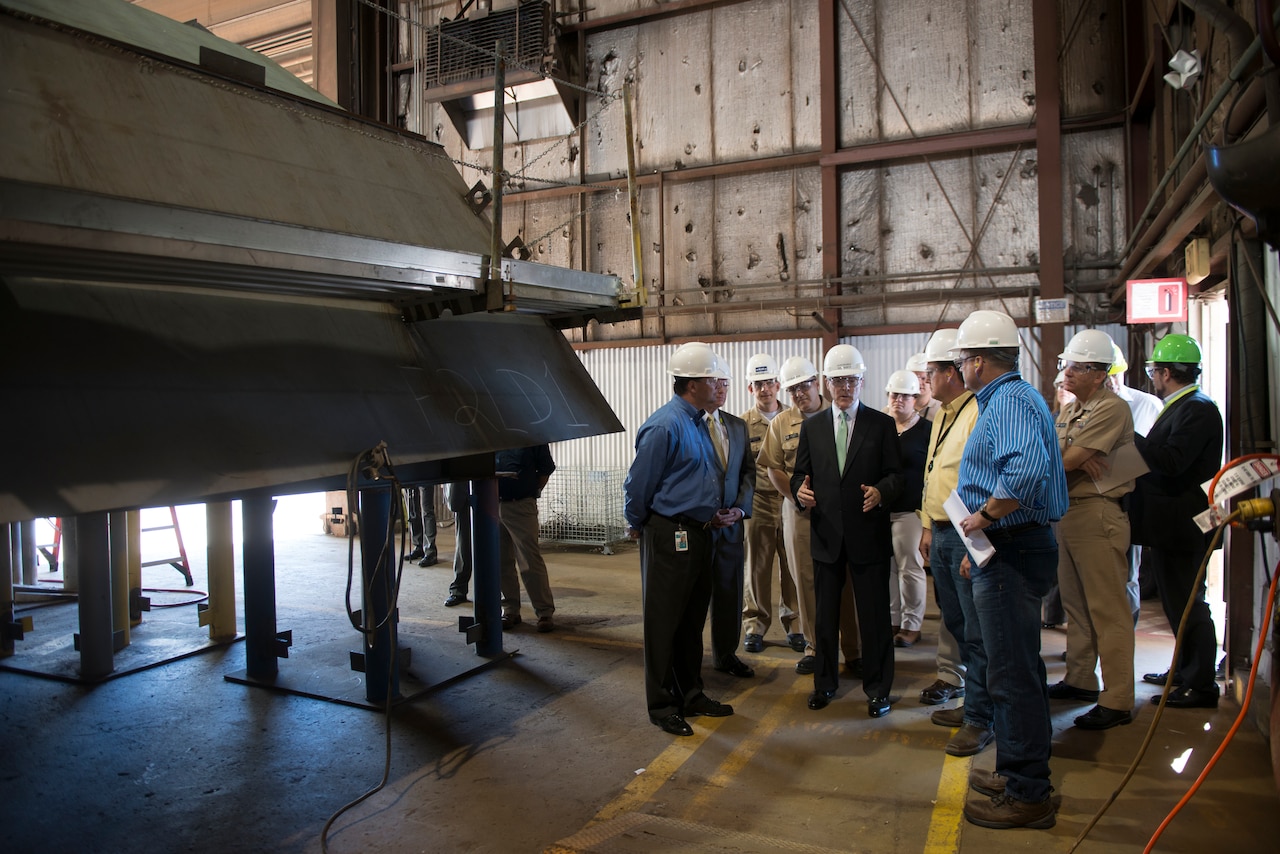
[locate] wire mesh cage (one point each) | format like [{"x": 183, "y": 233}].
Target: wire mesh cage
[{"x": 582, "y": 506}]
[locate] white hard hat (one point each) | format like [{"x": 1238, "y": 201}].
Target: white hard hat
[
  {"x": 696, "y": 359},
  {"x": 1060, "y": 378},
  {"x": 984, "y": 330},
  {"x": 918, "y": 362},
  {"x": 1118, "y": 363},
  {"x": 843, "y": 360},
  {"x": 797, "y": 369},
  {"x": 722, "y": 371},
  {"x": 1089, "y": 345},
  {"x": 903, "y": 382},
  {"x": 761, "y": 366},
  {"x": 940, "y": 345}
]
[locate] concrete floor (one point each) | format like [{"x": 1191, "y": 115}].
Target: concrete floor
[{"x": 551, "y": 749}]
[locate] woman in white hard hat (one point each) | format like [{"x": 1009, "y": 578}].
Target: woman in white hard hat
[{"x": 907, "y": 587}]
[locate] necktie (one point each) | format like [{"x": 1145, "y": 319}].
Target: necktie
[
  {"x": 842, "y": 439},
  {"x": 716, "y": 440}
]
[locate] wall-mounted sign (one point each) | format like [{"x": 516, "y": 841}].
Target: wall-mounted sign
[
  {"x": 1156, "y": 300},
  {"x": 1052, "y": 310}
]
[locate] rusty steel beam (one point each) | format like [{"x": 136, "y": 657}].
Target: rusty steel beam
[
  {"x": 1048, "y": 126},
  {"x": 641, "y": 16},
  {"x": 829, "y": 182}
]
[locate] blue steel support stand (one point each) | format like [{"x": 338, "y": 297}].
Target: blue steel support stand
[
  {"x": 485, "y": 576},
  {"x": 260, "y": 640},
  {"x": 382, "y": 679}
]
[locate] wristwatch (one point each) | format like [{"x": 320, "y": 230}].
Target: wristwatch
[{"x": 985, "y": 515}]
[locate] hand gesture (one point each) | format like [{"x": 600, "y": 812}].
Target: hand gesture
[
  {"x": 870, "y": 498},
  {"x": 804, "y": 495}
]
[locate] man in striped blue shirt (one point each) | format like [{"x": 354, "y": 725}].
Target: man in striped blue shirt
[{"x": 1012, "y": 482}]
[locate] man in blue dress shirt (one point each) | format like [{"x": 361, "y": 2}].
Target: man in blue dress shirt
[
  {"x": 1012, "y": 482},
  {"x": 673, "y": 499}
]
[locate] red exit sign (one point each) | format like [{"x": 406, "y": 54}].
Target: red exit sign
[{"x": 1156, "y": 300}]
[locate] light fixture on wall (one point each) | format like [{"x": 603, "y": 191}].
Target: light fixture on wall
[{"x": 1185, "y": 69}]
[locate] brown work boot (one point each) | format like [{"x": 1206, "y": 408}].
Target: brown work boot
[
  {"x": 969, "y": 740},
  {"x": 987, "y": 783},
  {"x": 948, "y": 717},
  {"x": 1002, "y": 812}
]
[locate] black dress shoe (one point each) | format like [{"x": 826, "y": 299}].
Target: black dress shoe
[
  {"x": 454, "y": 599},
  {"x": 878, "y": 707},
  {"x": 416, "y": 554},
  {"x": 734, "y": 666},
  {"x": 818, "y": 700},
  {"x": 805, "y": 665},
  {"x": 510, "y": 621},
  {"x": 1100, "y": 717},
  {"x": 1063, "y": 691},
  {"x": 1189, "y": 698},
  {"x": 795, "y": 640},
  {"x": 1160, "y": 679},
  {"x": 673, "y": 724},
  {"x": 429, "y": 560},
  {"x": 707, "y": 707},
  {"x": 753, "y": 643}
]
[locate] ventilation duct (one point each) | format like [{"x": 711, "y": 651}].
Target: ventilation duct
[{"x": 458, "y": 73}]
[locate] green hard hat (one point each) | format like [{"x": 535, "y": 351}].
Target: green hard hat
[{"x": 1181, "y": 349}]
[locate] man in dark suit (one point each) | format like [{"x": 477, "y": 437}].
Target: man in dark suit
[
  {"x": 848, "y": 469},
  {"x": 728, "y": 545},
  {"x": 1183, "y": 449}
]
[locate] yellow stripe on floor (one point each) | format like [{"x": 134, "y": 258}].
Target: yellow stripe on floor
[{"x": 948, "y": 807}]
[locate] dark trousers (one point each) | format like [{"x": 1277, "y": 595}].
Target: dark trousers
[
  {"x": 871, "y": 593},
  {"x": 1175, "y": 573},
  {"x": 728, "y": 563},
  {"x": 421, "y": 502},
  {"x": 675, "y": 590}
]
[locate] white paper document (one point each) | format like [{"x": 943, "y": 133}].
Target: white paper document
[
  {"x": 980, "y": 548},
  {"x": 1123, "y": 465}
]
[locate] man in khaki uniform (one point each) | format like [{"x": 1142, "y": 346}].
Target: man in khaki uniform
[
  {"x": 778, "y": 456},
  {"x": 765, "y": 549},
  {"x": 1093, "y": 537}
]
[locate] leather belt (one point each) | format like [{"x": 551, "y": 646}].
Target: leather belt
[
  {"x": 1012, "y": 529},
  {"x": 687, "y": 521}
]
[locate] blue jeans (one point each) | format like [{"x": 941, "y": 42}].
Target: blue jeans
[
  {"x": 1007, "y": 593},
  {"x": 955, "y": 600}
]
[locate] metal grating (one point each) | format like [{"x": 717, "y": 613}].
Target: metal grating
[{"x": 463, "y": 49}]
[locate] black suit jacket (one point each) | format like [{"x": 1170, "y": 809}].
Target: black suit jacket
[
  {"x": 1183, "y": 450},
  {"x": 740, "y": 479},
  {"x": 873, "y": 459}
]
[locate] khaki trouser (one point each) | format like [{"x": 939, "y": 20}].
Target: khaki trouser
[
  {"x": 1092, "y": 572},
  {"x": 765, "y": 551}
]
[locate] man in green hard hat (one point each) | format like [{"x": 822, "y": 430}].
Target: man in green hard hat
[{"x": 1183, "y": 449}]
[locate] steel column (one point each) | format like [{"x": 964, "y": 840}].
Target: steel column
[
  {"x": 118, "y": 535},
  {"x": 97, "y": 659},
  {"x": 27, "y": 549},
  {"x": 378, "y": 574},
  {"x": 7, "y": 636},
  {"x": 220, "y": 616},
  {"x": 1044, "y": 23},
  {"x": 260, "y": 642},
  {"x": 134, "y": 521},
  {"x": 485, "y": 575}
]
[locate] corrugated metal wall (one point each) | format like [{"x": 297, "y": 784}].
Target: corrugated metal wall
[{"x": 635, "y": 382}]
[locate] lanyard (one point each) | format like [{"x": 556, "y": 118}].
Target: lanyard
[{"x": 942, "y": 436}]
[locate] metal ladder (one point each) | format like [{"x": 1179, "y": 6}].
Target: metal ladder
[{"x": 179, "y": 562}]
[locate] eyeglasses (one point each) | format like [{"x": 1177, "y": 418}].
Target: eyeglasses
[
  {"x": 898, "y": 395},
  {"x": 1151, "y": 370},
  {"x": 760, "y": 385},
  {"x": 930, "y": 371},
  {"x": 960, "y": 363},
  {"x": 845, "y": 382},
  {"x": 1077, "y": 367},
  {"x": 715, "y": 383},
  {"x": 803, "y": 385}
]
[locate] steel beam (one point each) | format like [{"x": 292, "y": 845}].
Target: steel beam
[{"x": 1044, "y": 23}]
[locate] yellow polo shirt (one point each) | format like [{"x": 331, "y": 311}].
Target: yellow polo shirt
[{"x": 951, "y": 429}]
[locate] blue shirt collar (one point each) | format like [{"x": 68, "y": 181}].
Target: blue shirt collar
[{"x": 984, "y": 394}]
